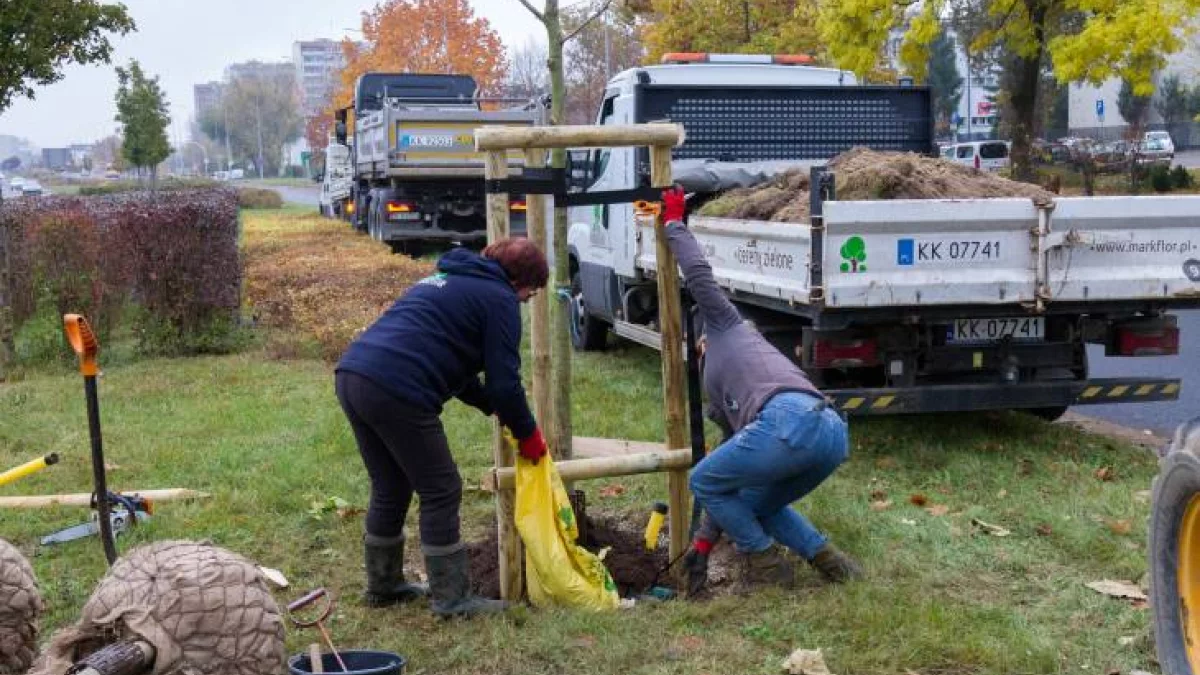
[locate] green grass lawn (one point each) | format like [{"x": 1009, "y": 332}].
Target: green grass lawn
[{"x": 267, "y": 438}]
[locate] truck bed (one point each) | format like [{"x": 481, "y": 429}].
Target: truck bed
[
  {"x": 953, "y": 253},
  {"x": 430, "y": 142}
]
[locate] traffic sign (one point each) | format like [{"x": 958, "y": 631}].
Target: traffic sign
[{"x": 1100, "y": 109}]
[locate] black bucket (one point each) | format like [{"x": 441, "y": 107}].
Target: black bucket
[{"x": 358, "y": 662}]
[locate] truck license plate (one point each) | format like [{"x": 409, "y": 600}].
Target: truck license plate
[{"x": 994, "y": 330}]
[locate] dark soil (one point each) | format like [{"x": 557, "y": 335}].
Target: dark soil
[{"x": 633, "y": 568}]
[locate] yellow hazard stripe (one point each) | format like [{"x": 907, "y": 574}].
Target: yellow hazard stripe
[
  {"x": 1144, "y": 390},
  {"x": 1118, "y": 390},
  {"x": 883, "y": 402},
  {"x": 1091, "y": 392},
  {"x": 854, "y": 403},
  {"x": 1170, "y": 389}
]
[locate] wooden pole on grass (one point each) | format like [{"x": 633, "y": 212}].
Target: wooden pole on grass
[
  {"x": 508, "y": 542},
  {"x": 674, "y": 372},
  {"x": 539, "y": 320}
]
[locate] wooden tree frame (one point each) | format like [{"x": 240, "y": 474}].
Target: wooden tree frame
[{"x": 675, "y": 458}]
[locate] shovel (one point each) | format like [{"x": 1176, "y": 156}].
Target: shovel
[{"x": 83, "y": 341}]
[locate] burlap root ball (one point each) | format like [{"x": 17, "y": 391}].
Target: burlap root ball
[
  {"x": 205, "y": 610},
  {"x": 20, "y": 608}
]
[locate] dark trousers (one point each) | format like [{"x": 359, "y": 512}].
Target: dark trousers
[{"x": 405, "y": 450}]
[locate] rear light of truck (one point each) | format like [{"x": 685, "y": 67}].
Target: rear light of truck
[
  {"x": 844, "y": 352},
  {"x": 395, "y": 206},
  {"x": 517, "y": 205},
  {"x": 1155, "y": 338},
  {"x": 349, "y": 208}
]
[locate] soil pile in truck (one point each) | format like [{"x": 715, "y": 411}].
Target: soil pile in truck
[{"x": 864, "y": 174}]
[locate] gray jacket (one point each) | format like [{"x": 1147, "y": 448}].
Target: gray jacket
[{"x": 742, "y": 371}]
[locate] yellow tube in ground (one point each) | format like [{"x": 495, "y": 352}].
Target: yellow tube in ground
[
  {"x": 657, "y": 516},
  {"x": 31, "y": 467}
]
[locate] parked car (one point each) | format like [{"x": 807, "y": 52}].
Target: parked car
[
  {"x": 32, "y": 188},
  {"x": 984, "y": 155},
  {"x": 1164, "y": 137},
  {"x": 1155, "y": 152}
]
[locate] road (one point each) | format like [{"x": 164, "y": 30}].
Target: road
[
  {"x": 307, "y": 196},
  {"x": 1188, "y": 158},
  {"x": 1161, "y": 418}
]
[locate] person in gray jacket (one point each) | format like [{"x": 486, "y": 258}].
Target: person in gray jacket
[{"x": 784, "y": 439}]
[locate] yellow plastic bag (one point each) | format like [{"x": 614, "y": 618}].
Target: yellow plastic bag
[{"x": 557, "y": 570}]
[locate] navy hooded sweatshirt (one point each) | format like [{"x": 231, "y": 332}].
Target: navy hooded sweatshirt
[{"x": 436, "y": 339}]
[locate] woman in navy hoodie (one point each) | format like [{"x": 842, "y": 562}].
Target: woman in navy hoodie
[{"x": 392, "y": 382}]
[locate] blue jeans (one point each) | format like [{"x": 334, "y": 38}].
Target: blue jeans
[{"x": 748, "y": 484}]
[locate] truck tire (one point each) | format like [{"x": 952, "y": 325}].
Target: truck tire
[
  {"x": 588, "y": 333},
  {"x": 1174, "y": 557}
]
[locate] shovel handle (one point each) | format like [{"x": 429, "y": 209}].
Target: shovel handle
[{"x": 83, "y": 341}]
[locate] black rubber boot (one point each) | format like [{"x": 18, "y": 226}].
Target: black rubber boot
[
  {"x": 385, "y": 573},
  {"x": 450, "y": 584},
  {"x": 771, "y": 566},
  {"x": 835, "y": 565},
  {"x": 696, "y": 564}
]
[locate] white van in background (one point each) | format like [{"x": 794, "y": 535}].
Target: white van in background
[{"x": 984, "y": 155}]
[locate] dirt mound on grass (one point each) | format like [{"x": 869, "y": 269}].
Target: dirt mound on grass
[{"x": 864, "y": 174}]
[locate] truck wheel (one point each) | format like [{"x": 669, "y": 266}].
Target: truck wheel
[
  {"x": 588, "y": 333},
  {"x": 1174, "y": 551},
  {"x": 1049, "y": 414}
]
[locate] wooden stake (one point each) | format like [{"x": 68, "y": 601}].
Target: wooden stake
[
  {"x": 539, "y": 320},
  {"x": 503, "y": 138},
  {"x": 600, "y": 467},
  {"x": 509, "y": 543},
  {"x": 674, "y": 372},
  {"x": 315, "y": 661},
  {"x": 85, "y": 498}
]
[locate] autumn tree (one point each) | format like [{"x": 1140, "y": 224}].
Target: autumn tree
[
  {"x": 731, "y": 26},
  {"x": 1082, "y": 41},
  {"x": 316, "y": 133},
  {"x": 425, "y": 36},
  {"x": 944, "y": 79},
  {"x": 144, "y": 115},
  {"x": 603, "y": 48}
]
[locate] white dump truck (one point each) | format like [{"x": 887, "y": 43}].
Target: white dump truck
[{"x": 890, "y": 306}]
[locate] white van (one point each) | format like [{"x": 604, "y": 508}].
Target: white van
[{"x": 985, "y": 155}]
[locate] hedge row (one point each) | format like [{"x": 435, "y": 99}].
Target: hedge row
[{"x": 165, "y": 265}]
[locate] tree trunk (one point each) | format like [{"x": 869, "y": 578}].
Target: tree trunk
[
  {"x": 1025, "y": 78},
  {"x": 7, "y": 342},
  {"x": 561, "y": 339}
]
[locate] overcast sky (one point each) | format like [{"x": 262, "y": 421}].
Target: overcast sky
[{"x": 190, "y": 41}]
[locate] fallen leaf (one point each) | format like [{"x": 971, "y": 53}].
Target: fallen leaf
[
  {"x": 1044, "y": 530},
  {"x": 881, "y": 505},
  {"x": 1126, "y": 640},
  {"x": 878, "y": 495},
  {"x": 918, "y": 499},
  {"x": 1118, "y": 589},
  {"x": 612, "y": 490},
  {"x": 691, "y": 643},
  {"x": 1140, "y": 604},
  {"x": 806, "y": 662},
  {"x": 994, "y": 530},
  {"x": 938, "y": 510},
  {"x": 1105, "y": 473},
  {"x": 1142, "y": 496},
  {"x": 112, "y": 466},
  {"x": 1120, "y": 527},
  {"x": 908, "y": 521},
  {"x": 274, "y": 576},
  {"x": 1002, "y": 494}
]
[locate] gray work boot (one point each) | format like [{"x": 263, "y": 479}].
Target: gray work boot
[
  {"x": 450, "y": 584},
  {"x": 385, "y": 573},
  {"x": 835, "y": 565},
  {"x": 771, "y": 566}
]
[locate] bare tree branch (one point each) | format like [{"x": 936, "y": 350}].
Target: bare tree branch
[
  {"x": 585, "y": 23},
  {"x": 531, "y": 8}
]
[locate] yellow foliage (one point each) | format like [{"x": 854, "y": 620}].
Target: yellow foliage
[
  {"x": 854, "y": 31},
  {"x": 914, "y": 52},
  {"x": 731, "y": 26}
]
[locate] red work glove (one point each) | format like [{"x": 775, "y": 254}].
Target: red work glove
[
  {"x": 533, "y": 447},
  {"x": 674, "y": 204}
]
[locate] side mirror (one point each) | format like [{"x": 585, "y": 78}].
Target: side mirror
[{"x": 579, "y": 169}]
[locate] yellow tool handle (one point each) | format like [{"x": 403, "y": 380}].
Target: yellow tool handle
[
  {"x": 30, "y": 467},
  {"x": 654, "y": 525}
]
